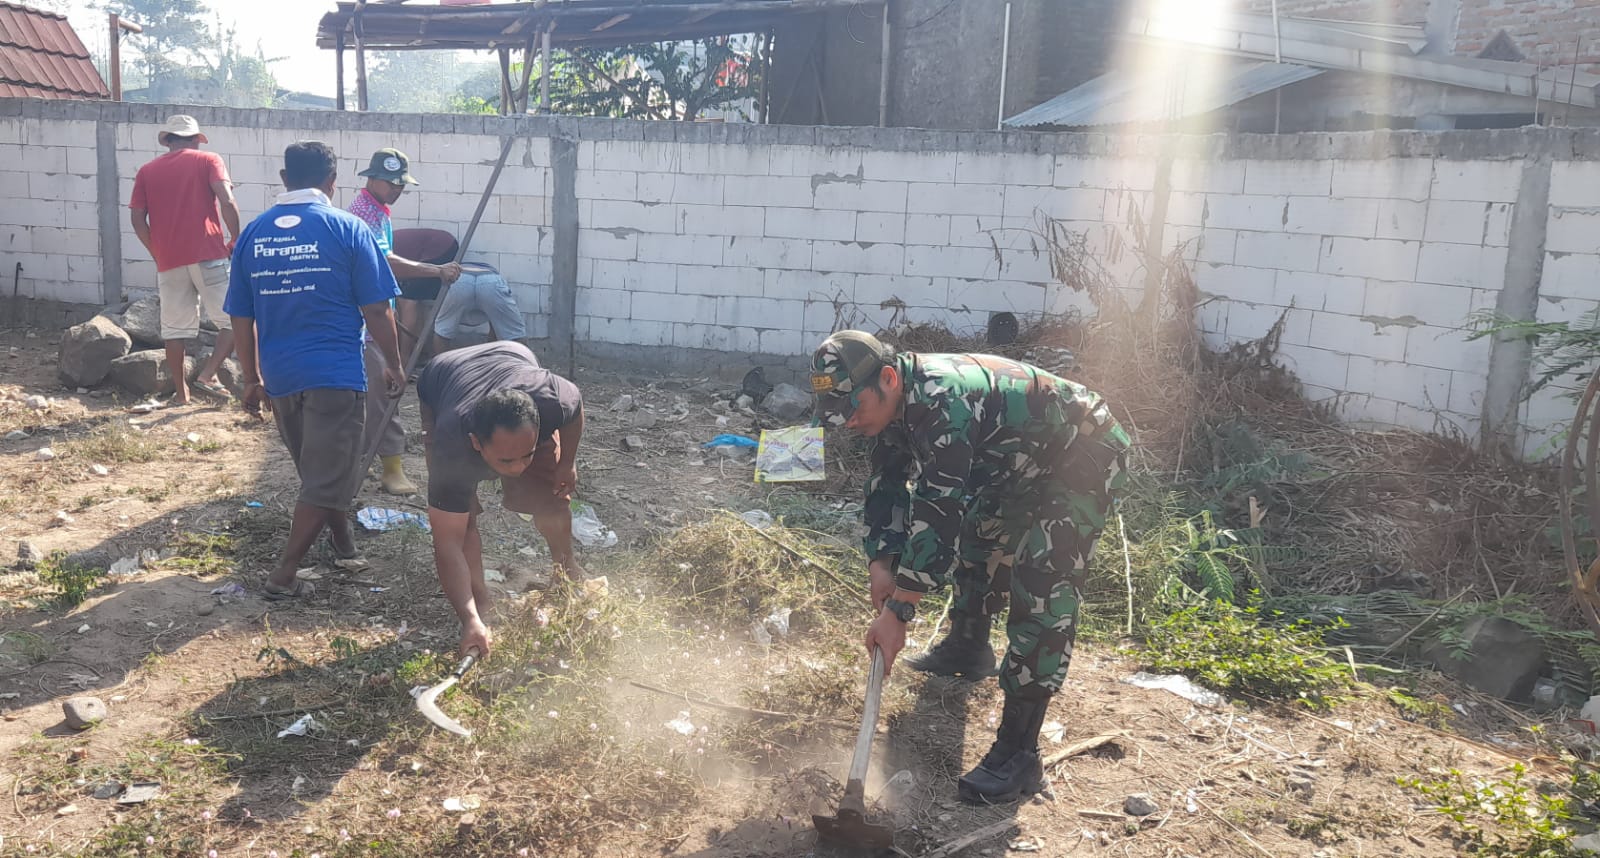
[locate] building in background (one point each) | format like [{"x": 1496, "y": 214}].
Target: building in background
[{"x": 41, "y": 56}]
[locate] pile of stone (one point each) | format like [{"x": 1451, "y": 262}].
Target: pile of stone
[{"x": 122, "y": 347}]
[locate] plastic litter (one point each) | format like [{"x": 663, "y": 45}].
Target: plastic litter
[
  {"x": 463, "y": 804},
  {"x": 228, "y": 589},
  {"x": 898, "y": 788},
  {"x": 778, "y": 621},
  {"x": 494, "y": 576},
  {"x": 381, "y": 519},
  {"x": 726, "y": 440},
  {"x": 793, "y": 455},
  {"x": 99, "y": 470},
  {"x": 757, "y": 518},
  {"x": 1177, "y": 684},
  {"x": 45, "y": 454},
  {"x": 300, "y": 728},
  {"x": 681, "y": 724},
  {"x": 587, "y": 529},
  {"x": 254, "y": 504},
  {"x": 140, "y": 793},
  {"x": 125, "y": 566}
]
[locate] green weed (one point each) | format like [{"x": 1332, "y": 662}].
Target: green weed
[
  {"x": 1509, "y": 817},
  {"x": 72, "y": 583},
  {"x": 1235, "y": 652}
]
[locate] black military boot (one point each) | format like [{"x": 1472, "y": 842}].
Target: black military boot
[
  {"x": 1011, "y": 769},
  {"x": 963, "y": 652}
]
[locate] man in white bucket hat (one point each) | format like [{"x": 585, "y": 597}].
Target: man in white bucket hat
[{"x": 181, "y": 201}]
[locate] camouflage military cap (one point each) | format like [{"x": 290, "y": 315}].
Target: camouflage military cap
[{"x": 842, "y": 366}]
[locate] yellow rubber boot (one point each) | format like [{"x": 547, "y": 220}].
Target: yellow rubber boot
[{"x": 394, "y": 479}]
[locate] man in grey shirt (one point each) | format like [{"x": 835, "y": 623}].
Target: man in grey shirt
[{"x": 491, "y": 411}]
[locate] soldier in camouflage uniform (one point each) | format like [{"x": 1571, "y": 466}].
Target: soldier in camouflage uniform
[{"x": 996, "y": 476}]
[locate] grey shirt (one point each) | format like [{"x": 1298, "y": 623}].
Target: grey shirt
[{"x": 454, "y": 383}]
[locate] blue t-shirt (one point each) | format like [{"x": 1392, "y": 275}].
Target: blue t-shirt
[{"x": 303, "y": 271}]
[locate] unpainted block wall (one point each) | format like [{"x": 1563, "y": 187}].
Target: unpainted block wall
[{"x": 717, "y": 247}]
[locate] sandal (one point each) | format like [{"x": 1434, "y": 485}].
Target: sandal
[
  {"x": 212, "y": 388},
  {"x": 274, "y": 593},
  {"x": 352, "y": 563}
]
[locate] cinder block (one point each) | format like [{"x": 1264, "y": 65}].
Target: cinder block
[
  {"x": 858, "y": 257},
  {"x": 607, "y": 303},
  {"x": 739, "y": 159},
  {"x": 783, "y": 343},
  {"x": 607, "y": 185},
  {"x": 531, "y": 211},
  {"x": 1416, "y": 386},
  {"x": 785, "y": 191},
  {"x": 645, "y": 217},
  {"x": 1188, "y": 209},
  {"x": 1247, "y": 322},
  {"x": 608, "y": 244},
  {"x": 1239, "y": 211},
  {"x": 1457, "y": 221},
  {"x": 1368, "y": 411},
  {"x": 969, "y": 262},
  {"x": 1569, "y": 275},
  {"x": 1573, "y": 184},
  {"x": 996, "y": 168},
  {"x": 810, "y": 162},
  {"x": 524, "y": 268},
  {"x": 824, "y": 317},
  {"x": 719, "y": 281},
  {"x": 1211, "y": 316},
  {"x": 1357, "y": 218},
  {"x": 898, "y": 166},
  {"x": 86, "y": 216},
  {"x": 1208, "y": 177},
  {"x": 659, "y": 307},
  {"x": 875, "y": 290},
  {"x": 881, "y": 227},
  {"x": 1447, "y": 348},
  {"x": 63, "y": 187},
  {"x": 681, "y": 249},
  {"x": 453, "y": 149},
  {"x": 1057, "y": 203},
  {"x": 1572, "y": 231},
  {"x": 1283, "y": 251},
  {"x": 1497, "y": 231},
  {"x": 811, "y": 223},
  {"x": 1492, "y": 181},
  {"x": 1377, "y": 258},
  {"x": 1403, "y": 220},
  {"x": 715, "y": 338},
  {"x": 1236, "y": 282},
  {"x": 808, "y": 285},
  {"x": 1466, "y": 393},
  {"x": 57, "y": 132},
  {"x": 976, "y": 231},
  {"x": 994, "y": 296},
  {"x": 952, "y": 199},
  {"x": 767, "y": 253},
  {"x": 1289, "y": 178},
  {"x": 34, "y": 212},
  {"x": 932, "y": 229},
  {"x": 680, "y": 188},
  {"x": 767, "y": 313},
  {"x": 527, "y": 181},
  {"x": 1314, "y": 366},
  {"x": 1462, "y": 265},
  {"x": 1308, "y": 291},
  {"x": 1391, "y": 178},
  {"x": 83, "y": 162},
  {"x": 1076, "y": 171},
  {"x": 634, "y": 332},
  {"x": 1351, "y": 335},
  {"x": 1027, "y": 266},
  {"x": 65, "y": 242},
  {"x": 722, "y": 220},
  {"x": 861, "y": 196},
  {"x": 634, "y": 276}
]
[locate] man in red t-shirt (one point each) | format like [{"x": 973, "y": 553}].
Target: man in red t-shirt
[{"x": 175, "y": 206}]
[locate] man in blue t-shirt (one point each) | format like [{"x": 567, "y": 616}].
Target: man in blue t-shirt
[{"x": 306, "y": 275}]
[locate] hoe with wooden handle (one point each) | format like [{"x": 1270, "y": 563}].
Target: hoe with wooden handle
[
  {"x": 427, "y": 701},
  {"x": 850, "y": 826}
]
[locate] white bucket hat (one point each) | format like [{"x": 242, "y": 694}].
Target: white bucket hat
[{"x": 180, "y": 125}]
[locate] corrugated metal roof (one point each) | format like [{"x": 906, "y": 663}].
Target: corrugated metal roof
[
  {"x": 1121, "y": 98},
  {"x": 42, "y": 57}
]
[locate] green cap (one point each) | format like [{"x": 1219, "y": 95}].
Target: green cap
[
  {"x": 842, "y": 366},
  {"x": 391, "y": 165}
]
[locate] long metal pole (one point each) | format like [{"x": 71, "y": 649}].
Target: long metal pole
[
  {"x": 544, "y": 72},
  {"x": 505, "y": 81},
  {"x": 883, "y": 71},
  {"x": 1005, "y": 60},
  {"x": 116, "y": 59},
  {"x": 425, "y": 333},
  {"x": 338, "y": 70}
]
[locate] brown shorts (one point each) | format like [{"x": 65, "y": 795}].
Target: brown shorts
[
  {"x": 530, "y": 491},
  {"x": 322, "y": 429}
]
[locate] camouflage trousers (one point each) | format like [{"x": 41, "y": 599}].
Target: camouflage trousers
[{"x": 1032, "y": 547}]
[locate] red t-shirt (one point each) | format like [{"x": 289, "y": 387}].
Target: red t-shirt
[{"x": 185, "y": 226}]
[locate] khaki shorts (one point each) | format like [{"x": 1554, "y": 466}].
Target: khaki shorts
[
  {"x": 323, "y": 429},
  {"x": 189, "y": 290}
]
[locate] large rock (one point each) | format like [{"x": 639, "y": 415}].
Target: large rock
[
  {"x": 142, "y": 321},
  {"x": 1502, "y": 658},
  {"x": 145, "y": 373},
  {"x": 787, "y": 402},
  {"x": 83, "y": 712},
  {"x": 87, "y": 351}
]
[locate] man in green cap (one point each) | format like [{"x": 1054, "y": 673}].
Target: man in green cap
[
  {"x": 388, "y": 175},
  {"x": 995, "y": 476}
]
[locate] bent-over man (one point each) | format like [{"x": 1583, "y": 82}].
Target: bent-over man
[
  {"x": 995, "y": 474},
  {"x": 306, "y": 276},
  {"x": 487, "y": 411}
]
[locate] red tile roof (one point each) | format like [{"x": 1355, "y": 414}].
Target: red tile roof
[{"x": 41, "y": 57}]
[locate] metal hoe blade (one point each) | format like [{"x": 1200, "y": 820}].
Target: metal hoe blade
[{"x": 427, "y": 701}]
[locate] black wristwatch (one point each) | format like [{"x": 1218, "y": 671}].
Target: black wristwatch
[{"x": 903, "y": 611}]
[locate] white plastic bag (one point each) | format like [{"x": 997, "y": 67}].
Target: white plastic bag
[{"x": 587, "y": 529}]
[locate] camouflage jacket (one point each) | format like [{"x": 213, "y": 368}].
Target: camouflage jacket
[{"x": 972, "y": 424}]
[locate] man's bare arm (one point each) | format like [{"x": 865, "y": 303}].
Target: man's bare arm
[
  {"x": 406, "y": 269},
  {"x": 141, "y": 228},
  {"x": 229, "y": 207},
  {"x": 569, "y": 436}
]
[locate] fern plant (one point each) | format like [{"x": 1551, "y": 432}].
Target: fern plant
[
  {"x": 1204, "y": 561},
  {"x": 1562, "y": 351}
]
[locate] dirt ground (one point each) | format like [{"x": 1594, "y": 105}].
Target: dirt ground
[{"x": 199, "y": 684}]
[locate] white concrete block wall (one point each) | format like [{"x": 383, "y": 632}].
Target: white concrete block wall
[{"x": 49, "y": 221}]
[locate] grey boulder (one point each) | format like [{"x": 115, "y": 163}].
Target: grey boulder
[
  {"x": 145, "y": 373},
  {"x": 87, "y": 351}
]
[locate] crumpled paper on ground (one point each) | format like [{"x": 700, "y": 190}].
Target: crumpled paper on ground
[
  {"x": 792, "y": 455},
  {"x": 1177, "y": 684},
  {"x": 300, "y": 728},
  {"x": 378, "y": 518}
]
